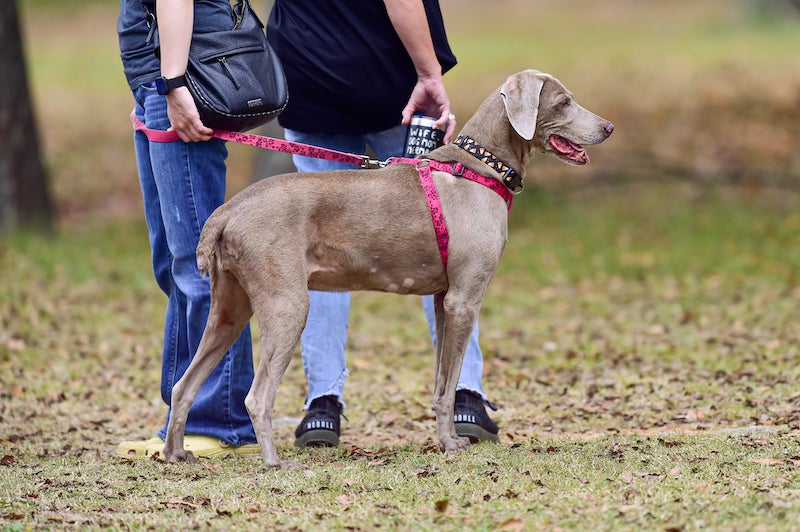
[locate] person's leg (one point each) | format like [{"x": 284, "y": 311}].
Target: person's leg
[
  {"x": 325, "y": 336},
  {"x": 181, "y": 185},
  {"x": 324, "y": 339}
]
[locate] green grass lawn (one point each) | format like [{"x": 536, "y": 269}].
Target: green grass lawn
[{"x": 645, "y": 366}]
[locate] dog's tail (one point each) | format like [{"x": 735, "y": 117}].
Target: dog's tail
[{"x": 208, "y": 246}]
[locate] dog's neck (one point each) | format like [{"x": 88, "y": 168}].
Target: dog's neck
[
  {"x": 493, "y": 134},
  {"x": 498, "y": 136}
]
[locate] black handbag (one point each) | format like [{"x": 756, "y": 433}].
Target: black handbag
[{"x": 234, "y": 76}]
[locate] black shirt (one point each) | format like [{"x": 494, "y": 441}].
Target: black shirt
[{"x": 346, "y": 68}]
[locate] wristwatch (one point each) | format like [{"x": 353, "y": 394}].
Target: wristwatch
[{"x": 164, "y": 85}]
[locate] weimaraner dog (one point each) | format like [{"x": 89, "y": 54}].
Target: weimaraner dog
[{"x": 371, "y": 230}]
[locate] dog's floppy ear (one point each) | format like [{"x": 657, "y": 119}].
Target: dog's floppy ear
[{"x": 521, "y": 97}]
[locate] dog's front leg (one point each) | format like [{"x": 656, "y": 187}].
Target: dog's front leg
[{"x": 453, "y": 329}]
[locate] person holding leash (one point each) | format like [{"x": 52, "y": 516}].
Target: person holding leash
[
  {"x": 354, "y": 69},
  {"x": 182, "y": 183},
  {"x": 367, "y": 64}
]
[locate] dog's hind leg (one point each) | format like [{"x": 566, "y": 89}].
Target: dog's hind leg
[
  {"x": 452, "y": 332},
  {"x": 230, "y": 311},
  {"x": 281, "y": 316}
]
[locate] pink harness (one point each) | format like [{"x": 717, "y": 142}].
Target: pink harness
[{"x": 423, "y": 166}]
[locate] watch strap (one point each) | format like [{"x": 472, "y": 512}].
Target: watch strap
[
  {"x": 174, "y": 83},
  {"x": 164, "y": 85}
]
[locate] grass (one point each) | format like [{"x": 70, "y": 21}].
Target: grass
[
  {"x": 617, "y": 483},
  {"x": 635, "y": 392},
  {"x": 640, "y": 337}
]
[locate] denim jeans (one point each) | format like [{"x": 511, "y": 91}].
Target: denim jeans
[
  {"x": 325, "y": 336},
  {"x": 182, "y": 184}
]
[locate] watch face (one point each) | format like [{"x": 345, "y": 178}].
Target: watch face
[{"x": 161, "y": 86}]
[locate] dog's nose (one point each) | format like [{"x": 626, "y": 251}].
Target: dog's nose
[{"x": 608, "y": 128}]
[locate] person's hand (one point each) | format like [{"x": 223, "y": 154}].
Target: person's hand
[
  {"x": 430, "y": 97},
  {"x": 183, "y": 116}
]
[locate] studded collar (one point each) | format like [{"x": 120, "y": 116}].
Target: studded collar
[{"x": 509, "y": 177}]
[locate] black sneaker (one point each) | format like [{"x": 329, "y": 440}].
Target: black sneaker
[
  {"x": 320, "y": 427},
  {"x": 472, "y": 420}
]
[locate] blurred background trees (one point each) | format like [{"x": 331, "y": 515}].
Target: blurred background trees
[
  {"x": 704, "y": 92},
  {"x": 773, "y": 6},
  {"x": 24, "y": 196}
]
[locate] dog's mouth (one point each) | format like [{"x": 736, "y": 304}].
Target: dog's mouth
[{"x": 567, "y": 150}]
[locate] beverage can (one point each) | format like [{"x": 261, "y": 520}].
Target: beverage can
[{"x": 423, "y": 136}]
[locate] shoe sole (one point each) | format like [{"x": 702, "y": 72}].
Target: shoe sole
[
  {"x": 137, "y": 449},
  {"x": 317, "y": 438},
  {"x": 200, "y": 446},
  {"x": 157, "y": 451},
  {"x": 475, "y": 433}
]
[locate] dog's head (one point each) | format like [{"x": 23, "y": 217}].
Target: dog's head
[{"x": 542, "y": 111}]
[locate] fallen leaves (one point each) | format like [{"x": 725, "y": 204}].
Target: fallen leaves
[
  {"x": 513, "y": 524},
  {"x": 629, "y": 477},
  {"x": 190, "y": 502},
  {"x": 16, "y": 345},
  {"x": 766, "y": 461},
  {"x": 344, "y": 500}
]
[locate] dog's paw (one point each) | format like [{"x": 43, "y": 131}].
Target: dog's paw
[
  {"x": 175, "y": 457},
  {"x": 188, "y": 457},
  {"x": 454, "y": 443}
]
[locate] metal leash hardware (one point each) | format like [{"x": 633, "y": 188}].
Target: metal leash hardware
[{"x": 369, "y": 164}]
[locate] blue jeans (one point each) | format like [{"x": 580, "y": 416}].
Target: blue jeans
[
  {"x": 182, "y": 184},
  {"x": 325, "y": 335}
]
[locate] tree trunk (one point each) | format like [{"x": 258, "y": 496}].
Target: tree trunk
[{"x": 24, "y": 198}]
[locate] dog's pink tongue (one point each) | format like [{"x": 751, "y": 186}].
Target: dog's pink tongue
[{"x": 575, "y": 153}]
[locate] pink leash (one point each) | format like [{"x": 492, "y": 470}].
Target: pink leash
[
  {"x": 267, "y": 143},
  {"x": 423, "y": 166}
]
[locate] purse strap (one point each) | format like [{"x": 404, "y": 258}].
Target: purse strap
[{"x": 239, "y": 10}]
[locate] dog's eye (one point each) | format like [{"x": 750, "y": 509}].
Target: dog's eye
[{"x": 566, "y": 102}]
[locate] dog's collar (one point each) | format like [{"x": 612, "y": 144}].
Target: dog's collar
[{"x": 509, "y": 177}]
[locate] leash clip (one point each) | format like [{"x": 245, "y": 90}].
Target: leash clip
[{"x": 368, "y": 163}]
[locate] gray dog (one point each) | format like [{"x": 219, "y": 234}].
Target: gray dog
[{"x": 372, "y": 230}]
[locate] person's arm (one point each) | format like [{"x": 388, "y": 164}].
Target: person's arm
[
  {"x": 175, "y": 24},
  {"x": 429, "y": 95}
]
